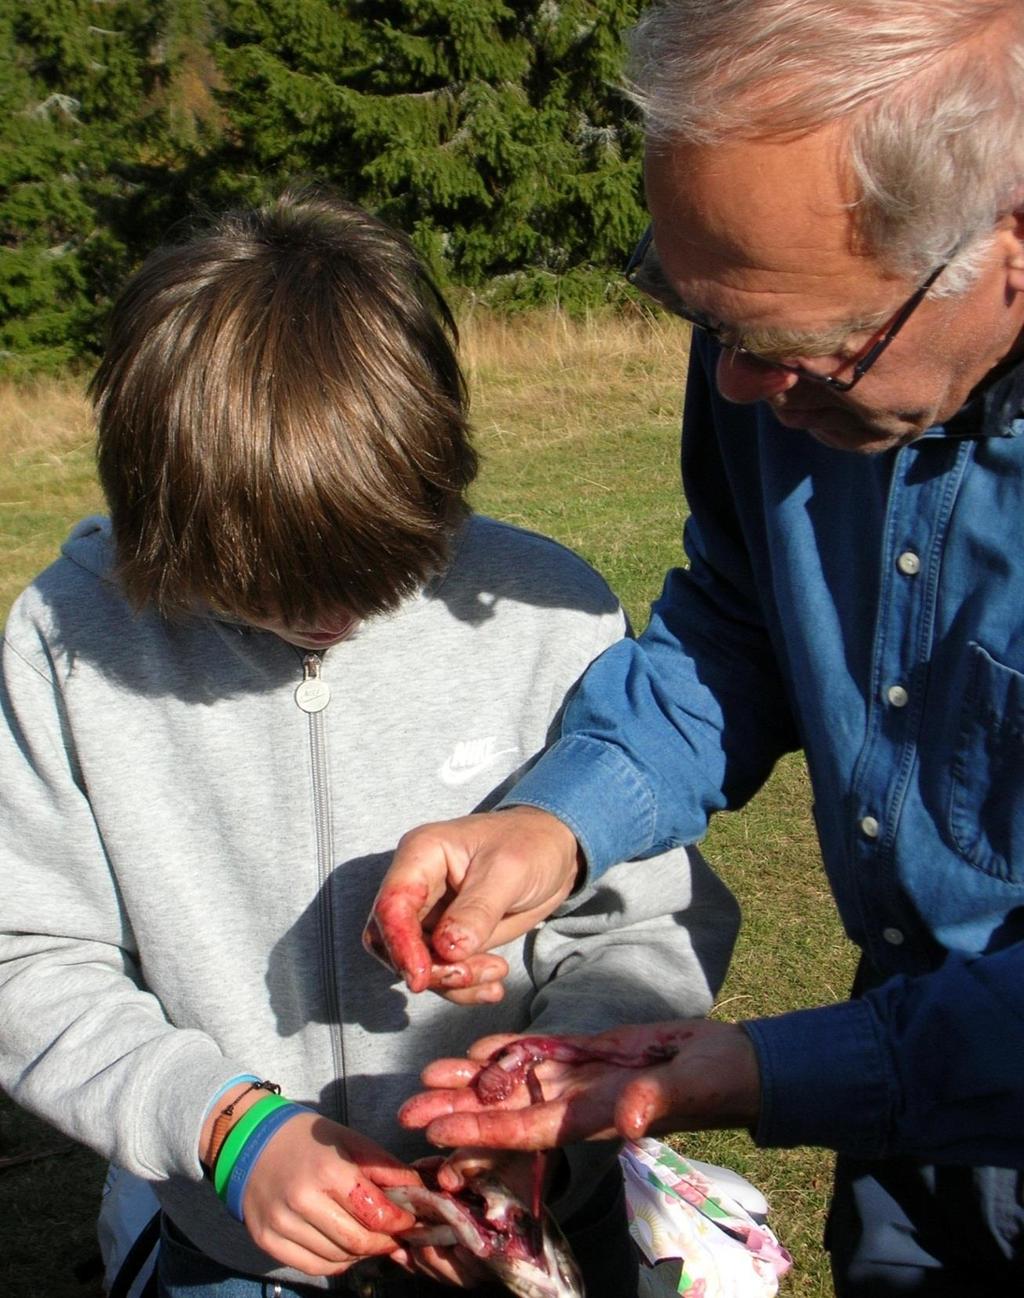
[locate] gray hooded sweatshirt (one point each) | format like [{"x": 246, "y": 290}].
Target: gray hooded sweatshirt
[{"x": 189, "y": 856}]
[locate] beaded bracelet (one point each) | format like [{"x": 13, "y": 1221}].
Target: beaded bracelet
[
  {"x": 250, "y": 1152},
  {"x": 237, "y": 1137}
]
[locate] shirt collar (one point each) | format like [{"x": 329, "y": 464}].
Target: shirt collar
[{"x": 995, "y": 409}]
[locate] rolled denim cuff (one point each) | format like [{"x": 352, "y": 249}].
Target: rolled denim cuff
[
  {"x": 593, "y": 789},
  {"x": 826, "y": 1080}
]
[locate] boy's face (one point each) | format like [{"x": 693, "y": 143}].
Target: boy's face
[{"x": 316, "y": 638}]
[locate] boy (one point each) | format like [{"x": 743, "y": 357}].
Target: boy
[{"x": 291, "y": 643}]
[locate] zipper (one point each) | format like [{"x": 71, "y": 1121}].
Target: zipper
[{"x": 312, "y": 695}]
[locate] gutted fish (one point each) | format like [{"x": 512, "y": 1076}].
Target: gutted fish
[{"x": 528, "y": 1254}]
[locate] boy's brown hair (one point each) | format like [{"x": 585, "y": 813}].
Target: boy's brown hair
[{"x": 281, "y": 418}]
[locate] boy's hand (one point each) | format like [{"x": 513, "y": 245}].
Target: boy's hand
[
  {"x": 712, "y": 1081},
  {"x": 314, "y": 1199},
  {"x": 470, "y": 884},
  {"x": 457, "y": 1266}
]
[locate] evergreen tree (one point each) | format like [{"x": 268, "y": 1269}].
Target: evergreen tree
[
  {"x": 491, "y": 130},
  {"x": 110, "y": 132},
  {"x": 93, "y": 135}
]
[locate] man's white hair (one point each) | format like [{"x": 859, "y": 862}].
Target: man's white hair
[{"x": 932, "y": 92}]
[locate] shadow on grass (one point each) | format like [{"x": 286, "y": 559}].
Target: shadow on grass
[{"x": 48, "y": 1207}]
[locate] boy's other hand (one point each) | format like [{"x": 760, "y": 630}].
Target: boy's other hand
[
  {"x": 712, "y": 1080},
  {"x": 459, "y": 887},
  {"x": 456, "y": 1265},
  {"x": 315, "y": 1198}
]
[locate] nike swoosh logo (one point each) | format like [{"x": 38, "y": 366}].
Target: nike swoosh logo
[{"x": 455, "y": 773}]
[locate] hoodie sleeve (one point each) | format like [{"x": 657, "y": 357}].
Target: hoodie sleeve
[
  {"x": 82, "y": 1045},
  {"x": 651, "y": 940},
  {"x": 648, "y": 940}
]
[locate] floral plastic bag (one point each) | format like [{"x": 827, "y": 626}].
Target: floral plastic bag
[{"x": 709, "y": 1217}]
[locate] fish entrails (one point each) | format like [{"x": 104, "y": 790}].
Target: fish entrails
[{"x": 515, "y": 1063}]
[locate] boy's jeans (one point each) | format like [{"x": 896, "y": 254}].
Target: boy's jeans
[{"x": 601, "y": 1243}]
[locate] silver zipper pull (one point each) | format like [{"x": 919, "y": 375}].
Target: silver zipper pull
[{"x": 312, "y": 693}]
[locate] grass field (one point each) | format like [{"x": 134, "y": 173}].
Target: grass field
[{"x": 578, "y": 429}]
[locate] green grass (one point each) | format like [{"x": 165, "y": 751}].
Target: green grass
[{"x": 578, "y": 429}]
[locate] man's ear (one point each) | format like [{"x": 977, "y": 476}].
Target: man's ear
[{"x": 1015, "y": 260}]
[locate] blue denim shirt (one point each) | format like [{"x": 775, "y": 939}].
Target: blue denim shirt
[{"x": 870, "y": 610}]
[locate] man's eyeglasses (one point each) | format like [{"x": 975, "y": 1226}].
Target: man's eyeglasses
[{"x": 644, "y": 272}]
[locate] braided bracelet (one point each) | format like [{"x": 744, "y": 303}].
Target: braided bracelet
[
  {"x": 242, "y": 1168},
  {"x": 226, "y": 1116},
  {"x": 237, "y": 1137},
  {"x": 232, "y": 1081}
]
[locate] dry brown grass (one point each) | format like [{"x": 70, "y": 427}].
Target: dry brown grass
[
  {"x": 51, "y": 415},
  {"x": 47, "y": 478},
  {"x": 547, "y": 374},
  {"x": 578, "y": 427}
]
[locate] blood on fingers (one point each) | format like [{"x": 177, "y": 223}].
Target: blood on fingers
[{"x": 368, "y": 1206}]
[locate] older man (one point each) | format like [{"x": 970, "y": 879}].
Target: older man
[{"x": 837, "y": 195}]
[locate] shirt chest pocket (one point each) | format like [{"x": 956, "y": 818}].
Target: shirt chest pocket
[{"x": 986, "y": 802}]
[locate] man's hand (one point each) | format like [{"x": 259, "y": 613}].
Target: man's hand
[
  {"x": 465, "y": 886},
  {"x": 711, "y": 1081},
  {"x": 315, "y": 1200}
]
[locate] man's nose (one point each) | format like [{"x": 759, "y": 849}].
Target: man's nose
[{"x": 742, "y": 378}]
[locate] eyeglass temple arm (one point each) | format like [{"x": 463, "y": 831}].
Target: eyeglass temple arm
[{"x": 905, "y": 312}]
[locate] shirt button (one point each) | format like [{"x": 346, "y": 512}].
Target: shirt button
[
  {"x": 869, "y": 827},
  {"x": 908, "y": 563},
  {"x": 894, "y": 936},
  {"x": 897, "y": 696}
]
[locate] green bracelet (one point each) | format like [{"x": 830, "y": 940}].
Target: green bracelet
[{"x": 238, "y": 1135}]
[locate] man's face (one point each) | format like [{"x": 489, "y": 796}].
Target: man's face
[{"x": 757, "y": 236}]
